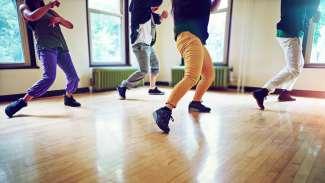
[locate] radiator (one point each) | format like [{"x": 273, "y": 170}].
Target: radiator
[
  {"x": 110, "y": 78},
  {"x": 221, "y": 80}
]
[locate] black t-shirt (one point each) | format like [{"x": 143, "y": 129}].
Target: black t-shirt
[
  {"x": 296, "y": 14},
  {"x": 192, "y": 16}
]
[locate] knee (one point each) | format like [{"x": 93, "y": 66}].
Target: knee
[
  {"x": 74, "y": 79},
  {"x": 154, "y": 71},
  {"x": 144, "y": 71},
  {"x": 210, "y": 77},
  {"x": 295, "y": 72},
  {"x": 192, "y": 79},
  {"x": 49, "y": 79}
]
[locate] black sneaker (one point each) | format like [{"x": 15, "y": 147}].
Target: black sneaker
[
  {"x": 198, "y": 107},
  {"x": 155, "y": 91},
  {"x": 121, "y": 91},
  {"x": 14, "y": 107},
  {"x": 286, "y": 97},
  {"x": 70, "y": 101},
  {"x": 260, "y": 95},
  {"x": 162, "y": 117}
]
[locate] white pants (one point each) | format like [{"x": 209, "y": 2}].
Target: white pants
[{"x": 286, "y": 78}]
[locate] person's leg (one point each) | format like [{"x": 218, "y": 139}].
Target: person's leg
[
  {"x": 48, "y": 59},
  {"x": 66, "y": 64},
  {"x": 142, "y": 53},
  {"x": 192, "y": 51},
  {"x": 292, "y": 51},
  {"x": 154, "y": 72},
  {"x": 288, "y": 86},
  {"x": 207, "y": 78}
]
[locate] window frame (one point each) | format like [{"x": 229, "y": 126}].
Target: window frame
[
  {"x": 27, "y": 45},
  {"x": 227, "y": 39},
  {"x": 124, "y": 35},
  {"x": 308, "y": 46}
]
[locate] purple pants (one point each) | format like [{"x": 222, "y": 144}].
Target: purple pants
[{"x": 50, "y": 58}]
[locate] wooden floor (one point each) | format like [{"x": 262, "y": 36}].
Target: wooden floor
[{"x": 108, "y": 140}]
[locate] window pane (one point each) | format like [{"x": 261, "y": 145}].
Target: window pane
[
  {"x": 106, "y": 5},
  {"x": 216, "y": 41},
  {"x": 224, "y": 4},
  {"x": 318, "y": 49},
  {"x": 106, "y": 39},
  {"x": 11, "y": 51}
]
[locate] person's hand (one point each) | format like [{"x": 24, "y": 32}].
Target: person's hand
[
  {"x": 154, "y": 9},
  {"x": 54, "y": 3},
  {"x": 54, "y": 21},
  {"x": 164, "y": 14},
  {"x": 317, "y": 17}
]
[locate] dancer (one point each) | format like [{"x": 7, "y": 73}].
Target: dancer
[
  {"x": 191, "y": 20},
  {"x": 52, "y": 50},
  {"x": 295, "y": 18},
  {"x": 143, "y": 37}
]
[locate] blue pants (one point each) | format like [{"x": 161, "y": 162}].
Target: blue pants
[{"x": 49, "y": 59}]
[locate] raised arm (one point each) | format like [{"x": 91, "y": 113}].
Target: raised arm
[
  {"x": 215, "y": 5},
  {"x": 38, "y": 13},
  {"x": 66, "y": 23}
]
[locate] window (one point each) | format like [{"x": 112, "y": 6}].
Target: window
[
  {"x": 107, "y": 34},
  {"x": 16, "y": 48},
  {"x": 219, "y": 30},
  {"x": 315, "y": 41}
]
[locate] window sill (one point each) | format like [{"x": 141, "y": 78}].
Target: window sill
[
  {"x": 18, "y": 67},
  {"x": 314, "y": 66},
  {"x": 111, "y": 65}
]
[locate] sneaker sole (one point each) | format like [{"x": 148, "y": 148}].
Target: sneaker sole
[
  {"x": 154, "y": 114},
  {"x": 286, "y": 100},
  {"x": 72, "y": 106},
  {"x": 156, "y": 94},
  {"x": 196, "y": 110}
]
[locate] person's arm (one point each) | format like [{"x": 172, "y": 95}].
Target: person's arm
[
  {"x": 164, "y": 15},
  {"x": 38, "y": 13},
  {"x": 312, "y": 10},
  {"x": 215, "y": 5},
  {"x": 59, "y": 19}
]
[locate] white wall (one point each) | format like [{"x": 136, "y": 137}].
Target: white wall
[
  {"x": 17, "y": 81},
  {"x": 166, "y": 47},
  {"x": 252, "y": 42}
]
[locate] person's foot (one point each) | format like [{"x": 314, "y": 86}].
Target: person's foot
[
  {"x": 155, "y": 91},
  {"x": 286, "y": 97},
  {"x": 71, "y": 102},
  {"x": 121, "y": 91},
  {"x": 196, "y": 106},
  {"x": 260, "y": 95},
  {"x": 162, "y": 117},
  {"x": 14, "y": 107}
]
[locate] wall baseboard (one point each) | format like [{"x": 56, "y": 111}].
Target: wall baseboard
[
  {"x": 297, "y": 93},
  {"x": 248, "y": 89},
  {"x": 159, "y": 83},
  {"x": 9, "y": 98}
]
